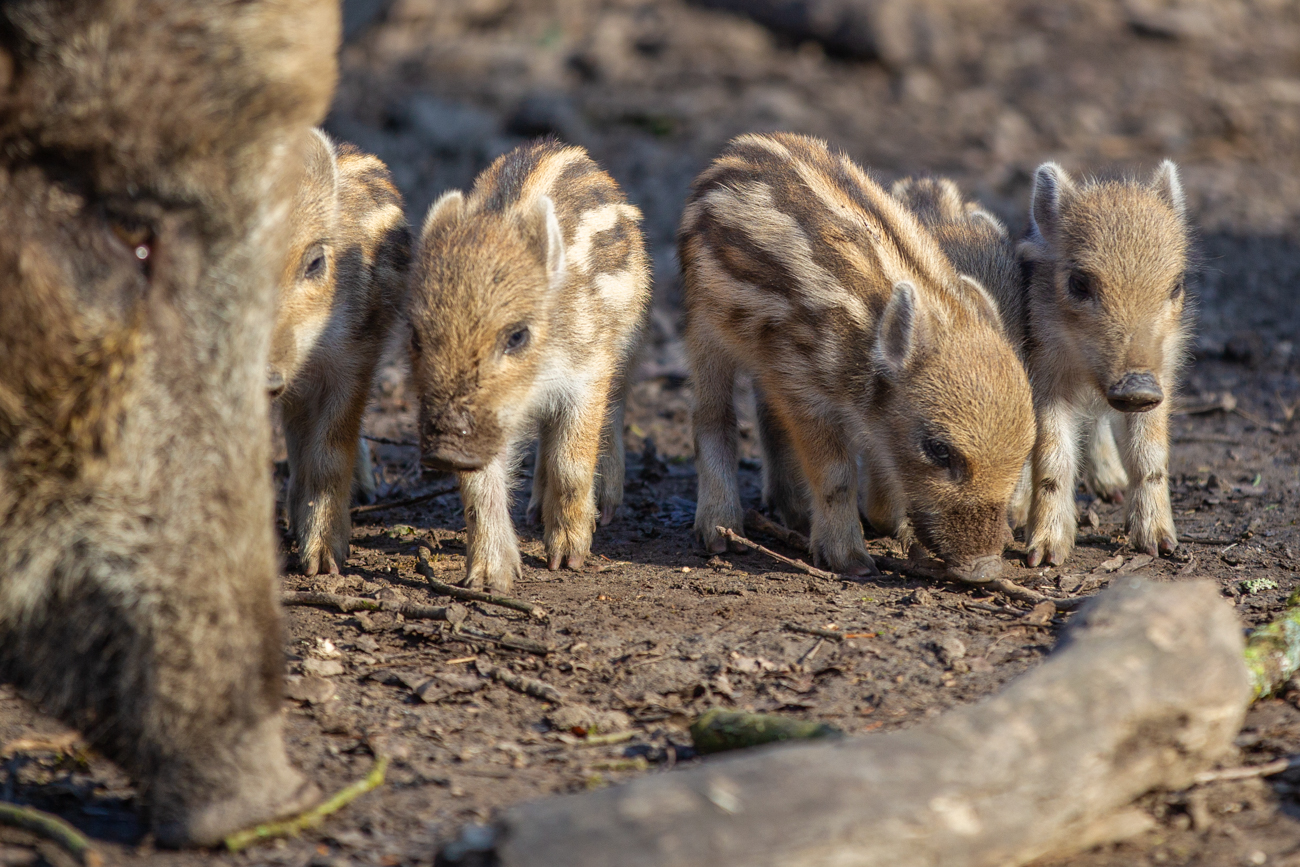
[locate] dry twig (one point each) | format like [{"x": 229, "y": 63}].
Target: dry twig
[
  {"x": 1247, "y": 772},
  {"x": 398, "y": 504},
  {"x": 526, "y": 685},
  {"x": 796, "y": 564},
  {"x": 506, "y": 640},
  {"x": 292, "y": 827},
  {"x": 912, "y": 569},
  {"x": 813, "y": 630},
  {"x": 453, "y": 613},
  {"x": 52, "y": 828},
  {"x": 425, "y": 568},
  {"x": 52, "y": 744}
]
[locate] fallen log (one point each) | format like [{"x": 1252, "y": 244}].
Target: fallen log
[{"x": 1146, "y": 691}]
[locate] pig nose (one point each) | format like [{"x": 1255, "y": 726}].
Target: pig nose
[
  {"x": 979, "y": 570},
  {"x": 1135, "y": 392},
  {"x": 274, "y": 382}
]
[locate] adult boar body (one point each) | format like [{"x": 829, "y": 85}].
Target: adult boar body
[{"x": 148, "y": 154}]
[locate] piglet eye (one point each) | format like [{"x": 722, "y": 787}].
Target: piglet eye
[
  {"x": 937, "y": 452},
  {"x": 517, "y": 340},
  {"x": 1178, "y": 290},
  {"x": 1081, "y": 286}
]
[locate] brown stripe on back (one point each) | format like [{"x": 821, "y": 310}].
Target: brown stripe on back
[{"x": 502, "y": 183}]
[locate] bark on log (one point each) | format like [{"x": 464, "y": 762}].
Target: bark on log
[{"x": 1148, "y": 688}]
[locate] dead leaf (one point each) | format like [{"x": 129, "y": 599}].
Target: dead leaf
[
  {"x": 1138, "y": 561},
  {"x": 1109, "y": 565},
  {"x": 1041, "y": 615}
]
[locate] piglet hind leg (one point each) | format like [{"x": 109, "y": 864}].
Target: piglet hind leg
[
  {"x": 1149, "y": 514},
  {"x": 572, "y": 451},
  {"x": 322, "y": 431},
  {"x": 1052, "y": 522},
  {"x": 611, "y": 468},
  {"x": 492, "y": 550},
  {"x": 1104, "y": 468},
  {"x": 716, "y": 444},
  {"x": 785, "y": 493}
]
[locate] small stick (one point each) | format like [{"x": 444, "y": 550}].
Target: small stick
[
  {"x": 453, "y": 613},
  {"x": 425, "y": 568},
  {"x": 398, "y": 504},
  {"x": 385, "y": 441},
  {"x": 292, "y": 827},
  {"x": 813, "y": 630},
  {"x": 54, "y": 744},
  {"x": 894, "y": 564},
  {"x": 756, "y": 520},
  {"x": 512, "y": 642},
  {"x": 797, "y": 564},
  {"x": 606, "y": 740},
  {"x": 52, "y": 828},
  {"x": 527, "y": 685},
  {"x": 1246, "y": 772}
]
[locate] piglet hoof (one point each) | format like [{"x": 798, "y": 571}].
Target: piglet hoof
[
  {"x": 320, "y": 561},
  {"x": 1168, "y": 545},
  {"x": 534, "y": 514},
  {"x": 608, "y": 512}
]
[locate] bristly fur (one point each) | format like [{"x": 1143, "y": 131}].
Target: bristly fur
[
  {"x": 342, "y": 290},
  {"x": 529, "y": 299},
  {"x": 1107, "y": 324},
  {"x": 862, "y": 339},
  {"x": 151, "y": 149}
]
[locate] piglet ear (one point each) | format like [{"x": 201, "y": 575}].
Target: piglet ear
[
  {"x": 978, "y": 299},
  {"x": 544, "y": 226},
  {"x": 1167, "y": 185},
  {"x": 896, "y": 335},
  {"x": 444, "y": 213},
  {"x": 1052, "y": 189}
]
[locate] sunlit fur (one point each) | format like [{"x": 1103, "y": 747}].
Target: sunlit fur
[
  {"x": 546, "y": 246},
  {"x": 863, "y": 340},
  {"x": 1130, "y": 239},
  {"x": 151, "y": 151},
  {"x": 342, "y": 289}
]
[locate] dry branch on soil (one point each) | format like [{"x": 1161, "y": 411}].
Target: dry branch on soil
[
  {"x": 400, "y": 504},
  {"x": 453, "y": 613},
  {"x": 425, "y": 568},
  {"x": 309, "y": 819},
  {"x": 52, "y": 828},
  {"x": 755, "y": 520},
  {"x": 505, "y": 639},
  {"x": 1147, "y": 666},
  {"x": 526, "y": 685}
]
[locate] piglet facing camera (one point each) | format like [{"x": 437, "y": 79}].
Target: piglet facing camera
[
  {"x": 1108, "y": 320},
  {"x": 341, "y": 291},
  {"x": 529, "y": 298}
]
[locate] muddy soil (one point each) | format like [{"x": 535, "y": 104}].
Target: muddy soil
[{"x": 654, "y": 632}]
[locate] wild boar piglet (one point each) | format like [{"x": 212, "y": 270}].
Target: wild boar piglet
[
  {"x": 862, "y": 340},
  {"x": 341, "y": 292},
  {"x": 978, "y": 244},
  {"x": 1108, "y": 322},
  {"x": 529, "y": 299}
]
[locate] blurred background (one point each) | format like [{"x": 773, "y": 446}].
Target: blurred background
[{"x": 981, "y": 90}]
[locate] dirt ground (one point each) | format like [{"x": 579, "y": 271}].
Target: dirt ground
[{"x": 654, "y": 632}]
